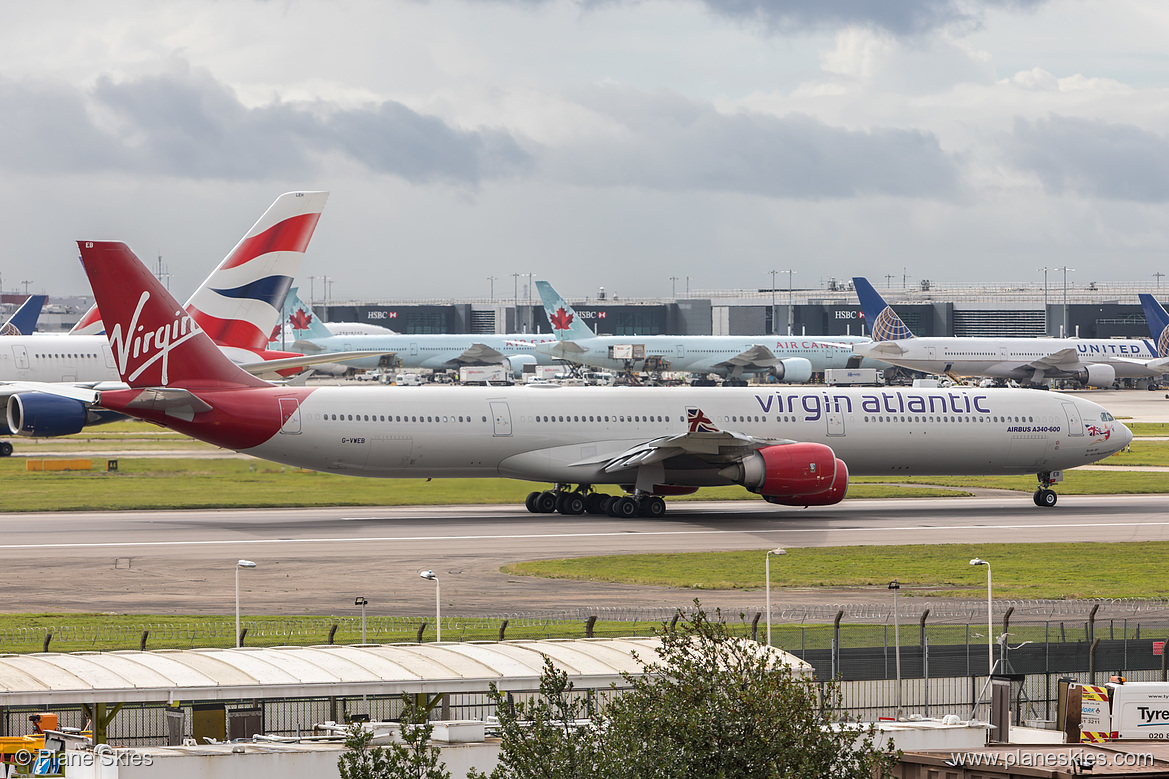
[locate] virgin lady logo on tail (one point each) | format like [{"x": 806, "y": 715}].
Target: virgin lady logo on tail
[{"x": 149, "y": 345}]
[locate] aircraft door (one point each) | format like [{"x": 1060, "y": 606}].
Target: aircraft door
[
  {"x": 414, "y": 349},
  {"x": 20, "y": 354},
  {"x": 109, "y": 355},
  {"x": 501, "y": 418},
  {"x": 1075, "y": 422},
  {"x": 680, "y": 352},
  {"x": 931, "y": 353},
  {"x": 289, "y": 416},
  {"x": 835, "y": 422}
]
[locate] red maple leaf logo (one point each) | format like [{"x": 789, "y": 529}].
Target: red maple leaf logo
[
  {"x": 300, "y": 319},
  {"x": 561, "y": 320}
]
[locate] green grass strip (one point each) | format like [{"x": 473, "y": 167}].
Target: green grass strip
[{"x": 1020, "y": 571}]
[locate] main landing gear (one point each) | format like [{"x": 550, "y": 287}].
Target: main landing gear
[
  {"x": 583, "y": 500},
  {"x": 1045, "y": 496}
]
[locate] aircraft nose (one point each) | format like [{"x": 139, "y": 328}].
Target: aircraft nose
[{"x": 1125, "y": 437}]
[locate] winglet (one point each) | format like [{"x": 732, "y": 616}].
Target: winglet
[
  {"x": 155, "y": 342},
  {"x": 884, "y": 324},
  {"x": 699, "y": 422},
  {"x": 1158, "y": 320},
  {"x": 566, "y": 323}
]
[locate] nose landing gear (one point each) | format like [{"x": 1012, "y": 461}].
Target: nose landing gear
[{"x": 1045, "y": 497}]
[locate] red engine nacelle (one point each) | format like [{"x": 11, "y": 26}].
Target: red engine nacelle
[
  {"x": 787, "y": 470},
  {"x": 829, "y": 497}
]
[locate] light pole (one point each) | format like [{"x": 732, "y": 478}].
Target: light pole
[
  {"x": 238, "y": 565},
  {"x": 674, "y": 287},
  {"x": 773, "y": 272},
  {"x": 989, "y": 620},
  {"x": 1045, "y": 269},
  {"x": 437, "y": 602},
  {"x": 688, "y": 280},
  {"x": 767, "y": 576},
  {"x": 491, "y": 280},
  {"x": 790, "y": 311},
  {"x": 362, "y": 602},
  {"x": 1158, "y": 276},
  {"x": 1065, "y": 270},
  {"x": 895, "y": 586}
]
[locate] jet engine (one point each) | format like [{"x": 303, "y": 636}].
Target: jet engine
[
  {"x": 516, "y": 362},
  {"x": 44, "y": 416},
  {"x": 1096, "y": 375},
  {"x": 801, "y": 474},
  {"x": 829, "y": 497},
  {"x": 793, "y": 370}
]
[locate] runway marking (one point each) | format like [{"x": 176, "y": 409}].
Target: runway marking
[{"x": 623, "y": 533}]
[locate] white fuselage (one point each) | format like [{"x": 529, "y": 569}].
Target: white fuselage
[
  {"x": 53, "y": 358},
  {"x": 711, "y": 353},
  {"x": 1015, "y": 358},
  {"x": 567, "y": 434},
  {"x": 427, "y": 351}
]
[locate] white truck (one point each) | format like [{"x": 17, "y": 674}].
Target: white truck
[
  {"x": 484, "y": 374},
  {"x": 1133, "y": 710},
  {"x": 853, "y": 377}
]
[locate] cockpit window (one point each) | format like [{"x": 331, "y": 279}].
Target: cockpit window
[{"x": 1106, "y": 417}]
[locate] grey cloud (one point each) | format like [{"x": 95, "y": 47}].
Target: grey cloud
[
  {"x": 900, "y": 17},
  {"x": 185, "y": 124},
  {"x": 1092, "y": 157},
  {"x": 672, "y": 144}
]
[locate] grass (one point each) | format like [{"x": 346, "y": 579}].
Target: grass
[
  {"x": 1140, "y": 429},
  {"x": 1070, "y": 570}
]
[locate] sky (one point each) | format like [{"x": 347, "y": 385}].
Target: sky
[{"x": 642, "y": 146}]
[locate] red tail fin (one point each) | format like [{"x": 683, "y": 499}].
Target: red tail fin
[{"x": 155, "y": 342}]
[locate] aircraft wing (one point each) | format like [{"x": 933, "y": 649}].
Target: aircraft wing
[
  {"x": 563, "y": 350},
  {"x": 719, "y": 446},
  {"x": 880, "y": 348},
  {"x": 81, "y": 392},
  {"x": 261, "y": 367},
  {"x": 478, "y": 354},
  {"x": 1063, "y": 360},
  {"x": 170, "y": 400},
  {"x": 755, "y": 357}
]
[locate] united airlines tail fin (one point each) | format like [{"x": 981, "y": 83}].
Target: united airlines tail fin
[
  {"x": 1158, "y": 320},
  {"x": 300, "y": 319},
  {"x": 24, "y": 321},
  {"x": 884, "y": 324},
  {"x": 566, "y": 323},
  {"x": 155, "y": 342}
]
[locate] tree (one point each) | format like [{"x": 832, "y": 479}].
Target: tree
[
  {"x": 411, "y": 759},
  {"x": 714, "y": 705}
]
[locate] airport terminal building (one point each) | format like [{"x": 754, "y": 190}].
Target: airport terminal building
[{"x": 1095, "y": 310}]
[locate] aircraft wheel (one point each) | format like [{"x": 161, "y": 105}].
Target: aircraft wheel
[
  {"x": 5, "y": 449},
  {"x": 570, "y": 503},
  {"x": 595, "y": 503},
  {"x": 546, "y": 503},
  {"x": 623, "y": 508},
  {"x": 653, "y": 507},
  {"x": 1045, "y": 498},
  {"x": 530, "y": 502}
]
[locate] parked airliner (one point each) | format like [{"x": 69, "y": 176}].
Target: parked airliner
[
  {"x": 24, "y": 320},
  {"x": 793, "y": 446},
  {"x": 790, "y": 359},
  {"x": 239, "y": 303},
  {"x": 417, "y": 351},
  {"x": 1096, "y": 362}
]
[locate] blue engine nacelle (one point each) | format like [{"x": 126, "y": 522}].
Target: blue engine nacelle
[
  {"x": 36, "y": 414},
  {"x": 516, "y": 362},
  {"x": 793, "y": 370}
]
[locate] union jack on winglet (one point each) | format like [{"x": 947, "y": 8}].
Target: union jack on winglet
[{"x": 698, "y": 422}]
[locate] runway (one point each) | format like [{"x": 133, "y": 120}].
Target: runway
[{"x": 315, "y": 561}]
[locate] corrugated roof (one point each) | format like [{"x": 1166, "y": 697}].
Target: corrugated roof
[{"x": 318, "y": 671}]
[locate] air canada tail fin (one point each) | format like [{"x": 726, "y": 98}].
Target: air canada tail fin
[
  {"x": 240, "y": 302},
  {"x": 566, "y": 323},
  {"x": 1158, "y": 320},
  {"x": 24, "y": 321},
  {"x": 884, "y": 324},
  {"x": 154, "y": 341},
  {"x": 300, "y": 319}
]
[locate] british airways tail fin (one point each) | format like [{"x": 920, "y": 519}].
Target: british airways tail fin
[
  {"x": 24, "y": 321},
  {"x": 884, "y": 324},
  {"x": 566, "y": 323},
  {"x": 89, "y": 324},
  {"x": 1158, "y": 320},
  {"x": 155, "y": 342},
  {"x": 300, "y": 319},
  {"x": 240, "y": 302}
]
